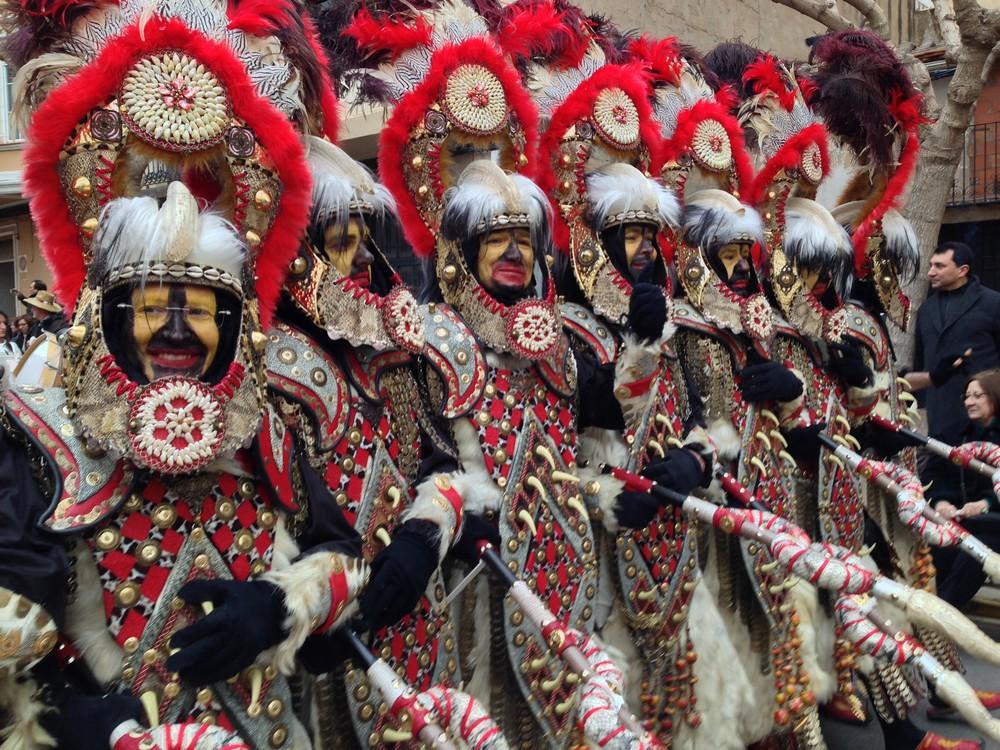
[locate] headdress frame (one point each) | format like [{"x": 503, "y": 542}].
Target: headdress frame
[
  {"x": 68, "y": 117},
  {"x": 410, "y": 153}
]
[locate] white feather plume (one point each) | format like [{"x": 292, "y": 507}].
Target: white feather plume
[{"x": 621, "y": 187}]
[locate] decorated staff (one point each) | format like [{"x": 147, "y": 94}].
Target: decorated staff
[
  {"x": 915, "y": 512},
  {"x": 981, "y": 457}
]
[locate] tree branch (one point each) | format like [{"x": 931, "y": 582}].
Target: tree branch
[
  {"x": 947, "y": 26},
  {"x": 873, "y": 15},
  {"x": 823, "y": 11}
]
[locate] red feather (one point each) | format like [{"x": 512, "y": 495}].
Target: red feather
[
  {"x": 375, "y": 35},
  {"x": 763, "y": 74},
  {"x": 808, "y": 87},
  {"x": 907, "y": 109},
  {"x": 409, "y": 113},
  {"x": 578, "y": 106},
  {"x": 788, "y": 157},
  {"x": 893, "y": 192},
  {"x": 70, "y": 104},
  {"x": 661, "y": 56},
  {"x": 539, "y": 28},
  {"x": 259, "y": 17}
]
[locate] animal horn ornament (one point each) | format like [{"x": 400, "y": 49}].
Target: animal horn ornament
[
  {"x": 913, "y": 509},
  {"x": 872, "y": 634},
  {"x": 423, "y": 715},
  {"x": 980, "y": 457},
  {"x": 826, "y": 566},
  {"x": 603, "y": 715}
]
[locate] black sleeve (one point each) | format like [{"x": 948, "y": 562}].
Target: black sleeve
[
  {"x": 327, "y": 528},
  {"x": 33, "y": 562},
  {"x": 696, "y": 407},
  {"x": 598, "y": 406},
  {"x": 918, "y": 346},
  {"x": 945, "y": 479}
]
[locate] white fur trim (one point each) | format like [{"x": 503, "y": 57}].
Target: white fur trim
[
  {"x": 725, "y": 439},
  {"x": 428, "y": 505},
  {"x": 306, "y": 586},
  {"x": 18, "y": 700},
  {"x": 816, "y": 631},
  {"x": 606, "y": 498},
  {"x": 479, "y": 656},
  {"x": 86, "y": 622},
  {"x": 723, "y": 687},
  {"x": 479, "y": 492},
  {"x": 620, "y": 188}
]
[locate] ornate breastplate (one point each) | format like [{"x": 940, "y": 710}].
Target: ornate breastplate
[
  {"x": 657, "y": 566},
  {"x": 527, "y": 435},
  {"x": 206, "y": 527}
]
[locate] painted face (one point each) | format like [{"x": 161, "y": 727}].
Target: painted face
[
  {"x": 977, "y": 404},
  {"x": 732, "y": 263},
  {"x": 505, "y": 261},
  {"x": 176, "y": 329},
  {"x": 640, "y": 248},
  {"x": 347, "y": 251}
]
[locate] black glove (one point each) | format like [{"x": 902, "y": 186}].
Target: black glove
[
  {"x": 769, "y": 381},
  {"x": 803, "y": 443},
  {"x": 321, "y": 654},
  {"x": 85, "y": 722},
  {"x": 848, "y": 363},
  {"x": 247, "y": 620},
  {"x": 635, "y": 510},
  {"x": 679, "y": 471},
  {"x": 946, "y": 369},
  {"x": 475, "y": 528},
  {"x": 647, "y": 311},
  {"x": 400, "y": 574},
  {"x": 886, "y": 443}
]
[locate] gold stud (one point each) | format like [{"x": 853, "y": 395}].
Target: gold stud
[
  {"x": 252, "y": 238},
  {"x": 89, "y": 226},
  {"x": 258, "y": 340},
  {"x": 449, "y": 272},
  {"x": 108, "y": 539},
  {"x": 262, "y": 200},
  {"x": 76, "y": 335},
  {"x": 82, "y": 187}
]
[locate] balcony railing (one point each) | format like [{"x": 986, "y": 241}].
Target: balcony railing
[{"x": 977, "y": 178}]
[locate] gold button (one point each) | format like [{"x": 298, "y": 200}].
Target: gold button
[
  {"x": 198, "y": 534},
  {"x": 461, "y": 356},
  {"x": 500, "y": 455},
  {"x": 341, "y": 498},
  {"x": 131, "y": 645},
  {"x": 128, "y": 673},
  {"x": 254, "y": 710},
  {"x": 164, "y": 516},
  {"x": 257, "y": 568},
  {"x": 509, "y": 400},
  {"x": 150, "y": 656},
  {"x": 207, "y": 718},
  {"x": 502, "y": 482},
  {"x": 201, "y": 562},
  {"x": 274, "y": 708},
  {"x": 205, "y": 696},
  {"x": 148, "y": 553},
  {"x": 133, "y": 503},
  {"x": 246, "y": 489},
  {"x": 483, "y": 418},
  {"x": 354, "y": 436},
  {"x": 491, "y": 390},
  {"x": 347, "y": 464},
  {"x": 506, "y": 426},
  {"x": 172, "y": 689},
  {"x": 361, "y": 692},
  {"x": 108, "y": 539},
  {"x": 244, "y": 541},
  {"x": 366, "y": 712},
  {"x": 127, "y": 594},
  {"x": 278, "y": 736},
  {"x": 262, "y": 200},
  {"x": 225, "y": 509}
]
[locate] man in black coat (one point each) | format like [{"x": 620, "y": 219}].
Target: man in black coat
[{"x": 957, "y": 335}]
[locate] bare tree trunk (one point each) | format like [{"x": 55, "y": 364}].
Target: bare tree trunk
[{"x": 942, "y": 143}]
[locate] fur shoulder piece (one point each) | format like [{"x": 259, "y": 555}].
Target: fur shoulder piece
[
  {"x": 584, "y": 325},
  {"x": 452, "y": 350},
  {"x": 89, "y": 484},
  {"x": 299, "y": 370}
]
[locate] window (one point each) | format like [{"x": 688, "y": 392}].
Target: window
[
  {"x": 8, "y": 271},
  {"x": 8, "y": 128}
]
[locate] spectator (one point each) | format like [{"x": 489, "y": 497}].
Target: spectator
[
  {"x": 970, "y": 498},
  {"x": 8, "y": 347},
  {"x": 47, "y": 312},
  {"x": 34, "y": 288},
  {"x": 22, "y": 326},
  {"x": 958, "y": 330}
]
